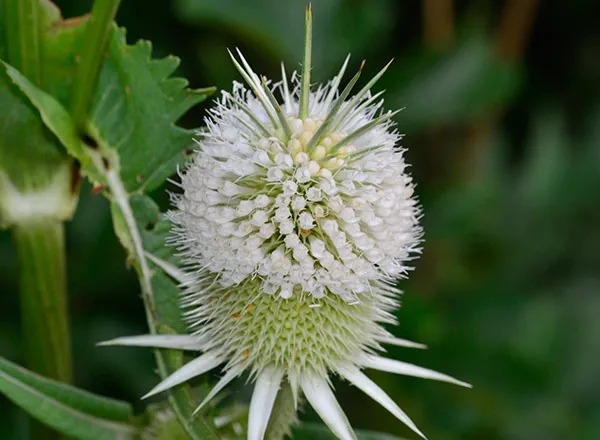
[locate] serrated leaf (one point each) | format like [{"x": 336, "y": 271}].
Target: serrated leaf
[
  {"x": 135, "y": 109},
  {"x": 69, "y": 410},
  {"x": 103, "y": 164},
  {"x": 313, "y": 431}
]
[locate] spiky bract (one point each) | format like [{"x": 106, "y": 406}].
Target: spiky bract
[
  {"x": 300, "y": 334},
  {"x": 295, "y": 221}
]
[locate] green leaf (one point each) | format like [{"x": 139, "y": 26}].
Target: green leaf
[
  {"x": 133, "y": 114},
  {"x": 468, "y": 81},
  {"x": 135, "y": 110},
  {"x": 57, "y": 119},
  {"x": 313, "y": 431},
  {"x": 31, "y": 160},
  {"x": 112, "y": 159},
  {"x": 67, "y": 409}
]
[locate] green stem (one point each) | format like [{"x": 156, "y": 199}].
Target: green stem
[
  {"x": 97, "y": 32},
  {"x": 23, "y": 29},
  {"x": 178, "y": 399},
  {"x": 40, "y": 250},
  {"x": 39, "y": 244},
  {"x": 42, "y": 273}
]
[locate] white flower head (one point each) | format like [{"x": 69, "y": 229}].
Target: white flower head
[{"x": 297, "y": 218}]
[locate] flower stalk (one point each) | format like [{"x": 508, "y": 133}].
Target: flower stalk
[
  {"x": 35, "y": 201},
  {"x": 40, "y": 248}
]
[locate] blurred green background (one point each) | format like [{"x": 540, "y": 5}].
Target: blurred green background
[{"x": 502, "y": 123}]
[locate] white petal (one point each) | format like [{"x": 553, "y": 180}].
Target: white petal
[
  {"x": 370, "y": 388},
  {"x": 198, "y": 366},
  {"x": 178, "y": 342},
  {"x": 399, "y": 367},
  {"x": 399, "y": 342},
  {"x": 170, "y": 269},
  {"x": 263, "y": 398},
  {"x": 320, "y": 396},
  {"x": 222, "y": 383}
]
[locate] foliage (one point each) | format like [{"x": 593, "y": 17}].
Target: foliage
[{"x": 505, "y": 153}]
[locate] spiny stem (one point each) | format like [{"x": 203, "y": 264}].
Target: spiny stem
[
  {"x": 97, "y": 31},
  {"x": 305, "y": 84}
]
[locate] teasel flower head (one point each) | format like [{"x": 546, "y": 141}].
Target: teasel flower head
[{"x": 296, "y": 219}]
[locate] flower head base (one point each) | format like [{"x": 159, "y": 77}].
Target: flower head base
[{"x": 295, "y": 222}]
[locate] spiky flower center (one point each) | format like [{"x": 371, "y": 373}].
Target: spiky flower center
[
  {"x": 296, "y": 219},
  {"x": 296, "y": 335}
]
